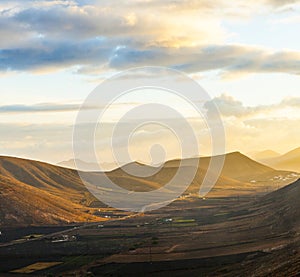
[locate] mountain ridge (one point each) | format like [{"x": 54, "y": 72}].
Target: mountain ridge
[
  {"x": 40, "y": 181},
  {"x": 288, "y": 161}
]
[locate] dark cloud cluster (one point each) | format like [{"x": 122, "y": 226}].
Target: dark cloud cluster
[{"x": 116, "y": 35}]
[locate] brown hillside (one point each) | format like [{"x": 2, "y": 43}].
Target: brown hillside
[
  {"x": 39, "y": 193},
  {"x": 21, "y": 204}
]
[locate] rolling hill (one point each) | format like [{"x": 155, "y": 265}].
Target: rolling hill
[
  {"x": 240, "y": 175},
  {"x": 86, "y": 166},
  {"x": 39, "y": 193},
  {"x": 289, "y": 161},
  {"x": 263, "y": 155},
  {"x": 34, "y": 192},
  {"x": 21, "y": 204},
  {"x": 78, "y": 164}
]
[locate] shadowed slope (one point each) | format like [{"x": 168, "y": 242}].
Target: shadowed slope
[{"x": 283, "y": 206}]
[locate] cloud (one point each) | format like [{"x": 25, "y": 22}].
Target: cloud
[
  {"x": 96, "y": 36},
  {"x": 247, "y": 128},
  {"x": 46, "y": 107},
  {"x": 291, "y": 102},
  {"x": 55, "y": 107},
  {"x": 36, "y": 141},
  {"x": 229, "y": 60},
  {"x": 230, "y": 107},
  {"x": 282, "y": 3},
  {"x": 151, "y": 24},
  {"x": 259, "y": 127}
]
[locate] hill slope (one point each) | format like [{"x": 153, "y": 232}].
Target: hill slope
[
  {"x": 284, "y": 206},
  {"x": 21, "y": 204},
  {"x": 78, "y": 164},
  {"x": 240, "y": 175},
  {"x": 289, "y": 161},
  {"x": 263, "y": 155},
  {"x": 39, "y": 193}
]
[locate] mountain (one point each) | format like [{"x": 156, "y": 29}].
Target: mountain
[
  {"x": 289, "y": 161},
  {"x": 78, "y": 164},
  {"x": 86, "y": 166},
  {"x": 38, "y": 193},
  {"x": 21, "y": 204},
  {"x": 240, "y": 175},
  {"x": 263, "y": 155}
]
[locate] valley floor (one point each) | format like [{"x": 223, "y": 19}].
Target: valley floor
[{"x": 213, "y": 237}]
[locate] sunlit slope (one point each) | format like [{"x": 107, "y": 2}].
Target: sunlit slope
[
  {"x": 22, "y": 204},
  {"x": 33, "y": 192},
  {"x": 53, "y": 179},
  {"x": 240, "y": 175},
  {"x": 289, "y": 161}
]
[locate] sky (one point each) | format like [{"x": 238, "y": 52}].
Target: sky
[{"x": 54, "y": 53}]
